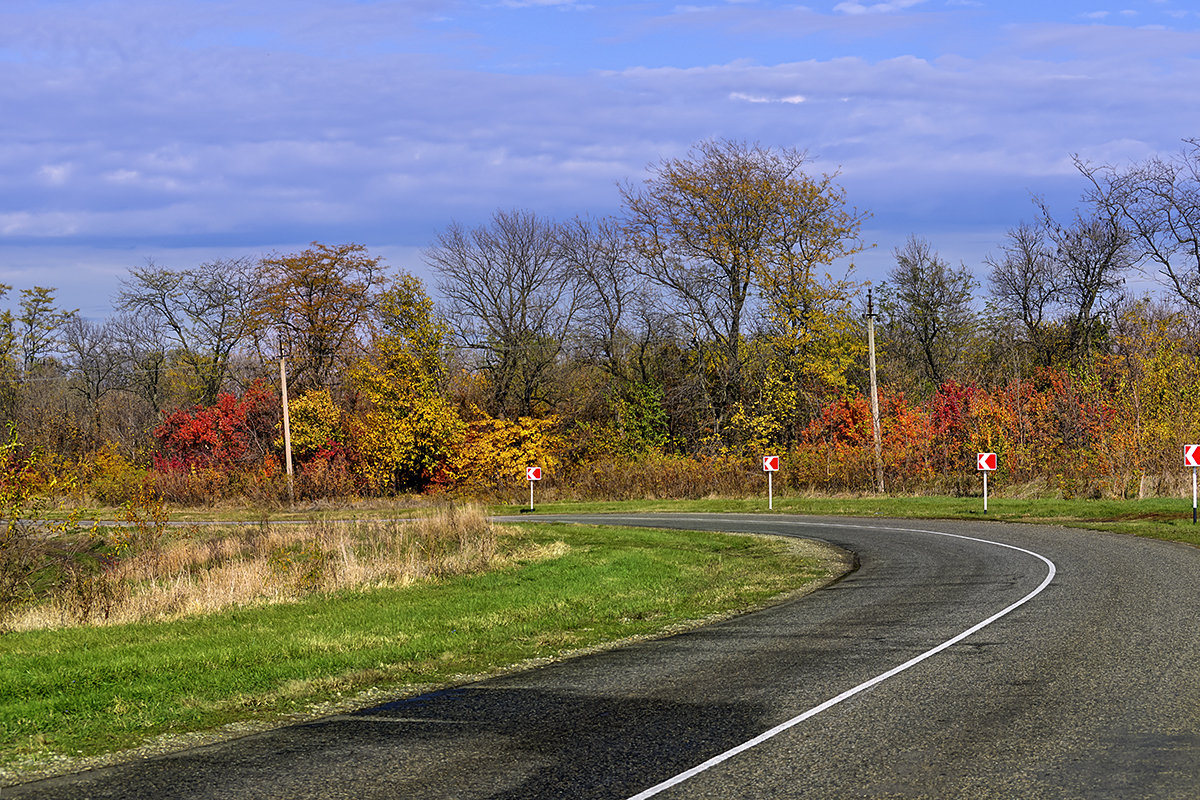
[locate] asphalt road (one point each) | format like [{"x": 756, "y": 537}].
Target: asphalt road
[{"x": 1086, "y": 685}]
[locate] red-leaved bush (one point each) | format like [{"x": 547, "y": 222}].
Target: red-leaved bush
[{"x": 236, "y": 432}]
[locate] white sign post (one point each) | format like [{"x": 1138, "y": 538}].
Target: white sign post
[
  {"x": 770, "y": 466},
  {"x": 532, "y": 474},
  {"x": 985, "y": 462},
  {"x": 1191, "y": 458}
]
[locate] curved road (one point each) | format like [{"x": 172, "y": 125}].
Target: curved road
[{"x": 1083, "y": 683}]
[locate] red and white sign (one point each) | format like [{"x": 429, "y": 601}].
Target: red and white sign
[
  {"x": 1191, "y": 455},
  {"x": 770, "y": 463},
  {"x": 986, "y": 461},
  {"x": 533, "y": 473}
]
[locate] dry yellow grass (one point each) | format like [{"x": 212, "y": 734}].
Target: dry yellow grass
[{"x": 270, "y": 563}]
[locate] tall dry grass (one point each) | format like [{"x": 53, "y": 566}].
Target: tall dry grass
[
  {"x": 189, "y": 575},
  {"x": 657, "y": 476}
]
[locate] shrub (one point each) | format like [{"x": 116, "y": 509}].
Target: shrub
[
  {"x": 31, "y": 555},
  {"x": 236, "y": 432},
  {"x": 185, "y": 485},
  {"x": 399, "y": 451},
  {"x": 327, "y": 475},
  {"x": 113, "y": 479},
  {"x": 316, "y": 421},
  {"x": 495, "y": 453}
]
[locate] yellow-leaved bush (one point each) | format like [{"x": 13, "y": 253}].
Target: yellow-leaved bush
[
  {"x": 315, "y": 422},
  {"x": 496, "y": 452}
]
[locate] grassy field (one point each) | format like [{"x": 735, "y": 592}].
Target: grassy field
[{"x": 92, "y": 689}]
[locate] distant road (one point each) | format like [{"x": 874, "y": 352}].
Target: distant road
[{"x": 1084, "y": 682}]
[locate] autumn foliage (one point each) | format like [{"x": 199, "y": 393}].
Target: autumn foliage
[
  {"x": 1111, "y": 425},
  {"x": 231, "y": 434},
  {"x": 655, "y": 354}
]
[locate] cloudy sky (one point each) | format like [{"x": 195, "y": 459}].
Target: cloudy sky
[{"x": 190, "y": 130}]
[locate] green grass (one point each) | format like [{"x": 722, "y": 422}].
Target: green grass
[
  {"x": 1159, "y": 518},
  {"x": 93, "y": 690}
]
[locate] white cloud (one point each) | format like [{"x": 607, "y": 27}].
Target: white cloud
[
  {"x": 55, "y": 174},
  {"x": 794, "y": 99},
  {"x": 854, "y": 7},
  {"x": 27, "y": 224},
  {"x": 1099, "y": 15}
]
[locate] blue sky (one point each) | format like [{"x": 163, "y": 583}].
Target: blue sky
[{"x": 197, "y": 129}]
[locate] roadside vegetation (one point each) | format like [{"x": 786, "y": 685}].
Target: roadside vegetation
[
  {"x": 143, "y": 570},
  {"x": 155, "y": 630}
]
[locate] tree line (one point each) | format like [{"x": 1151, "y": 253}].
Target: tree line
[{"x": 717, "y": 317}]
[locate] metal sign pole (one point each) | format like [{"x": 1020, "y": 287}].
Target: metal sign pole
[
  {"x": 770, "y": 491},
  {"x": 531, "y": 495},
  {"x": 1191, "y": 458},
  {"x": 985, "y": 491}
]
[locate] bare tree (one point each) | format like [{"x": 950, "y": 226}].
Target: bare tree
[
  {"x": 1159, "y": 202},
  {"x": 1026, "y": 285},
  {"x": 140, "y": 342},
  {"x": 204, "y": 312},
  {"x": 927, "y": 310},
  {"x": 95, "y": 365},
  {"x": 512, "y": 298},
  {"x": 1091, "y": 256},
  {"x": 599, "y": 255}
]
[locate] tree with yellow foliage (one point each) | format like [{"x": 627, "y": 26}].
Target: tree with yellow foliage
[
  {"x": 409, "y": 429},
  {"x": 315, "y": 422},
  {"x": 729, "y": 218}
]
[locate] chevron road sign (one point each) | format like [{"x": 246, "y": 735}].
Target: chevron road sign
[
  {"x": 532, "y": 474},
  {"x": 1191, "y": 458},
  {"x": 770, "y": 466},
  {"x": 985, "y": 463}
]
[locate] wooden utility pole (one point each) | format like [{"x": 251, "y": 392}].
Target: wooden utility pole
[
  {"x": 875, "y": 429},
  {"x": 287, "y": 431}
]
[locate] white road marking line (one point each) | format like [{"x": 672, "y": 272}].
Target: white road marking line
[{"x": 862, "y": 687}]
